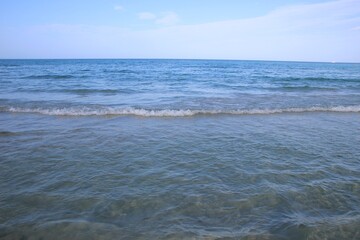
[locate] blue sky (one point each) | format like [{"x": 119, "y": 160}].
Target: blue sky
[{"x": 300, "y": 30}]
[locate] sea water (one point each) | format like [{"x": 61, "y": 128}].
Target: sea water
[{"x": 179, "y": 149}]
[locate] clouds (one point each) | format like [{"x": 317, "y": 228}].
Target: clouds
[
  {"x": 166, "y": 18},
  {"x": 118, "y": 8},
  {"x": 309, "y": 32},
  {"x": 146, "y": 16}
]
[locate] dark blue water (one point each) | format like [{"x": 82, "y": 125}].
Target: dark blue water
[
  {"x": 179, "y": 149},
  {"x": 171, "y": 87}
]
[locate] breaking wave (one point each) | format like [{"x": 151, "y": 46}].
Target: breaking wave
[{"x": 103, "y": 111}]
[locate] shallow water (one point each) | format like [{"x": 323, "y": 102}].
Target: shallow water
[{"x": 235, "y": 167}]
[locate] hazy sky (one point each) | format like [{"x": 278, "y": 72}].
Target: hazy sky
[{"x": 212, "y": 29}]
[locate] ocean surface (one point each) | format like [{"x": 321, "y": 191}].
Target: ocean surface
[{"x": 179, "y": 149}]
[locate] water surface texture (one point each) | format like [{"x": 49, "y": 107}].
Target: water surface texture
[{"x": 179, "y": 149}]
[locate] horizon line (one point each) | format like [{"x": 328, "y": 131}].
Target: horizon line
[{"x": 186, "y": 59}]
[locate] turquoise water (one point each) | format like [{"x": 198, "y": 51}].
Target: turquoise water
[{"x": 179, "y": 149}]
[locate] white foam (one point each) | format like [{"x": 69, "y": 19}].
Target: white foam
[
  {"x": 85, "y": 111},
  {"x": 102, "y": 111}
]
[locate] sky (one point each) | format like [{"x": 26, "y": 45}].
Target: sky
[{"x": 291, "y": 30}]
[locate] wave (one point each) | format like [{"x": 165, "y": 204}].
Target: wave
[
  {"x": 303, "y": 88},
  {"x": 80, "y": 91},
  {"x": 118, "y": 71},
  {"x": 7, "y": 133},
  {"x": 49, "y": 76},
  {"x": 104, "y": 111},
  {"x": 9, "y": 65},
  {"x": 89, "y": 91},
  {"x": 315, "y": 79}
]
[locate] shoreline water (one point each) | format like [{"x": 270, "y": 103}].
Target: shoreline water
[
  {"x": 171, "y": 163},
  {"x": 290, "y": 176}
]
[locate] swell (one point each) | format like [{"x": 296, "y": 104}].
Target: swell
[
  {"x": 303, "y": 88},
  {"x": 7, "y": 133},
  {"x": 314, "y": 79},
  {"x": 49, "y": 76},
  {"x": 9, "y": 65},
  {"x": 79, "y": 91},
  {"x": 118, "y": 71},
  {"x": 103, "y": 111},
  {"x": 89, "y": 91}
]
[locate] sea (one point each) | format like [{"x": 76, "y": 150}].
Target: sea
[{"x": 179, "y": 149}]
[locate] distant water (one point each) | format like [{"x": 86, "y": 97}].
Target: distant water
[{"x": 179, "y": 149}]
